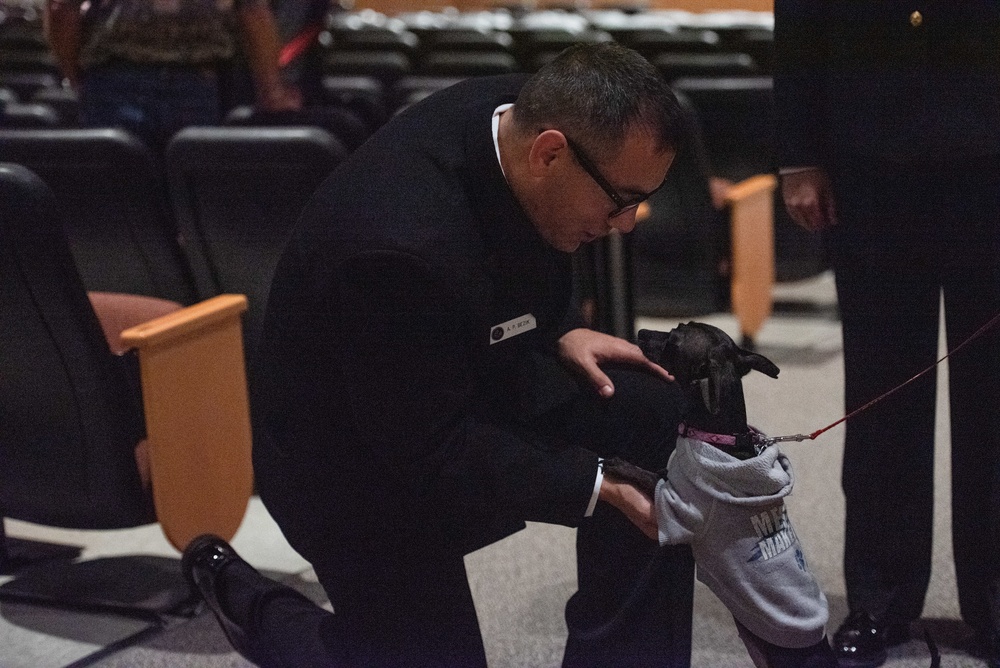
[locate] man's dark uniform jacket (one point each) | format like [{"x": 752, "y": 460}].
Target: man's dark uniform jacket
[
  {"x": 899, "y": 100},
  {"x": 382, "y": 372}
]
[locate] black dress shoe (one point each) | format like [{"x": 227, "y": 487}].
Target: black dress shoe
[
  {"x": 203, "y": 562},
  {"x": 861, "y": 641}
]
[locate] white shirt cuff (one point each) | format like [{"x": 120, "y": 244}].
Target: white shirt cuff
[{"x": 597, "y": 488}]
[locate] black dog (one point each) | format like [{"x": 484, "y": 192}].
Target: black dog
[
  {"x": 723, "y": 493},
  {"x": 710, "y": 367}
]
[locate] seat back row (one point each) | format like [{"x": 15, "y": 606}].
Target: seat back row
[{"x": 211, "y": 220}]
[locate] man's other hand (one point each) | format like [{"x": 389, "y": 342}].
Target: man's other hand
[{"x": 635, "y": 505}]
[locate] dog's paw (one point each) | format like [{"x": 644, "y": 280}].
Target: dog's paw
[{"x": 623, "y": 471}]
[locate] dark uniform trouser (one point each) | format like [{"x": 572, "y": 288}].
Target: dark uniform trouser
[
  {"x": 633, "y": 607},
  {"x": 906, "y": 237},
  {"x": 634, "y": 599}
]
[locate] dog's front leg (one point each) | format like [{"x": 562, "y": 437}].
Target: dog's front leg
[{"x": 621, "y": 470}]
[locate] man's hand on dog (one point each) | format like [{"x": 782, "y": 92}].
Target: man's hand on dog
[{"x": 584, "y": 350}]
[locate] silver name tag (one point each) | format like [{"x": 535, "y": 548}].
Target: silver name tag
[{"x": 518, "y": 325}]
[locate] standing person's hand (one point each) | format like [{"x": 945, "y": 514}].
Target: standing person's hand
[
  {"x": 262, "y": 46},
  {"x": 809, "y": 198},
  {"x": 584, "y": 349}
]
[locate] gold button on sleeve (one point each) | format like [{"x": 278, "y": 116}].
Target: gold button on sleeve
[{"x": 916, "y": 19}]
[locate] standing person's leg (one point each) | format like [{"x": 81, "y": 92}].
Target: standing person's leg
[
  {"x": 972, "y": 298},
  {"x": 152, "y": 102},
  {"x": 974, "y": 397},
  {"x": 633, "y": 604},
  {"x": 889, "y": 301},
  {"x": 119, "y": 95},
  {"x": 890, "y": 329},
  {"x": 190, "y": 96}
]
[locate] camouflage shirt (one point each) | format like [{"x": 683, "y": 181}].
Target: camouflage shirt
[{"x": 186, "y": 32}]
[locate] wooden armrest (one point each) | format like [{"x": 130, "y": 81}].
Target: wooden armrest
[
  {"x": 751, "y": 187},
  {"x": 751, "y": 219},
  {"x": 197, "y": 417},
  {"x": 118, "y": 311}
]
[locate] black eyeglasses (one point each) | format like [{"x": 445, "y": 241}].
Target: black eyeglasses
[{"x": 621, "y": 204}]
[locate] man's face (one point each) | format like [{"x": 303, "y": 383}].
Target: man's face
[{"x": 585, "y": 199}]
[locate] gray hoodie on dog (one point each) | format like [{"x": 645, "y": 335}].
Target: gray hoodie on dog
[{"x": 732, "y": 512}]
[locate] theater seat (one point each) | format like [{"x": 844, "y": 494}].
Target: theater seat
[
  {"x": 342, "y": 122},
  {"x": 113, "y": 195},
  {"x": 466, "y": 63},
  {"x": 673, "y": 66},
  {"x": 109, "y": 420},
  {"x": 736, "y": 115},
  {"x": 706, "y": 246},
  {"x": 237, "y": 192},
  {"x": 30, "y": 115},
  {"x": 363, "y": 95}
]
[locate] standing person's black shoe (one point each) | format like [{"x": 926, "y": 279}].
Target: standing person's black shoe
[
  {"x": 861, "y": 641},
  {"x": 203, "y": 562}
]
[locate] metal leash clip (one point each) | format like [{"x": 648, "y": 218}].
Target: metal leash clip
[{"x": 771, "y": 440}]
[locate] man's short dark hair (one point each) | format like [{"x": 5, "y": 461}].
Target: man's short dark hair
[{"x": 596, "y": 93}]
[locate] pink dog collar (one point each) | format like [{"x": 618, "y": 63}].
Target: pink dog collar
[{"x": 754, "y": 436}]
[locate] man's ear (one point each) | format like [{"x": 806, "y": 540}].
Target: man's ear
[{"x": 548, "y": 148}]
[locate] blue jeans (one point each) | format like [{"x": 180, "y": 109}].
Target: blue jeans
[{"x": 152, "y": 101}]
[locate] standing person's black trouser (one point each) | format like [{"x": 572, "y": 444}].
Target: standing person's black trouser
[
  {"x": 907, "y": 236},
  {"x": 404, "y": 600}
]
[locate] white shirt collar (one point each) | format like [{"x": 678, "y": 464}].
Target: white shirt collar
[{"x": 496, "y": 130}]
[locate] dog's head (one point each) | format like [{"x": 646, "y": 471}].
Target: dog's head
[{"x": 705, "y": 356}]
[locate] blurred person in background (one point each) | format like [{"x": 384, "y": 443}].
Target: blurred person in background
[{"x": 153, "y": 66}]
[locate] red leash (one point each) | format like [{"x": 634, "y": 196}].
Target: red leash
[{"x": 810, "y": 437}]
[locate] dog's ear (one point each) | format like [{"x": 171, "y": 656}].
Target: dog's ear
[
  {"x": 716, "y": 384},
  {"x": 754, "y": 361}
]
